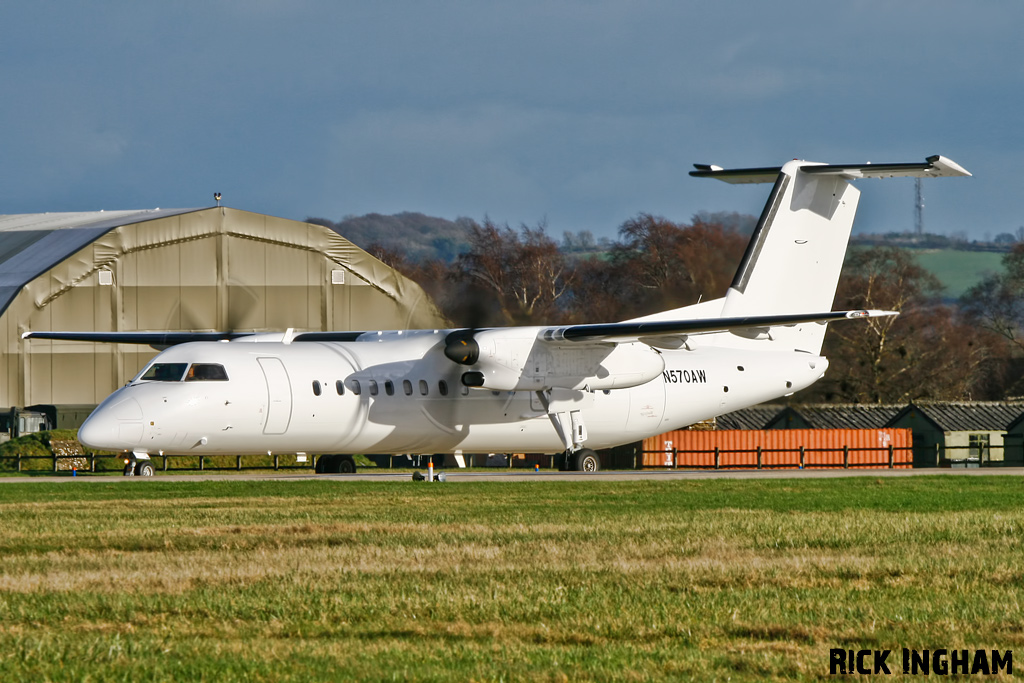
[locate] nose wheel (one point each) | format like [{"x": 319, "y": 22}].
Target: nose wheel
[{"x": 138, "y": 467}]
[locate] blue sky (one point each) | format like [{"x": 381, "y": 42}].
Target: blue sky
[{"x": 578, "y": 113}]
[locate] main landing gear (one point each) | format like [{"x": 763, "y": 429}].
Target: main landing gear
[
  {"x": 335, "y": 464},
  {"x": 583, "y": 460}
]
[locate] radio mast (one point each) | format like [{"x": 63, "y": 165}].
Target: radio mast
[{"x": 918, "y": 208}]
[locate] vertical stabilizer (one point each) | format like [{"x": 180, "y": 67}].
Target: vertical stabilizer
[{"x": 796, "y": 253}]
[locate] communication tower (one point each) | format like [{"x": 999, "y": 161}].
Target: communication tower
[{"x": 918, "y": 208}]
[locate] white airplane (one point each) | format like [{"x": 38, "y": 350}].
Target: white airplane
[{"x": 564, "y": 390}]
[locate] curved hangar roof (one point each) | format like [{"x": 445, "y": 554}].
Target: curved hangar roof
[
  {"x": 33, "y": 243},
  {"x": 175, "y": 269}
]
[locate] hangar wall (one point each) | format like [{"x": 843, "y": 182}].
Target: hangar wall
[{"x": 210, "y": 269}]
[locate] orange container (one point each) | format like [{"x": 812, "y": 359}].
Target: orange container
[{"x": 778, "y": 448}]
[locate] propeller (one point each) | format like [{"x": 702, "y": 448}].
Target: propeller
[{"x": 460, "y": 346}]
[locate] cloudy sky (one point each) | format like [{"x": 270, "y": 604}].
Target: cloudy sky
[{"x": 578, "y": 113}]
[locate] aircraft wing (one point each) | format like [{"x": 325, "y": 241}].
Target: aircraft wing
[
  {"x": 151, "y": 338},
  {"x": 631, "y": 331},
  {"x": 936, "y": 166}
]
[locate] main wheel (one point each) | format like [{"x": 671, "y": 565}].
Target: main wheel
[
  {"x": 346, "y": 464},
  {"x": 144, "y": 468},
  {"x": 564, "y": 461},
  {"x": 586, "y": 460}
]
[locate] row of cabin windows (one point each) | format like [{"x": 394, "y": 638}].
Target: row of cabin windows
[{"x": 389, "y": 387}]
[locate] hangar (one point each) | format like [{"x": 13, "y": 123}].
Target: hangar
[{"x": 208, "y": 269}]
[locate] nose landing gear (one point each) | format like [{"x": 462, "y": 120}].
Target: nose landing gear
[{"x": 138, "y": 465}]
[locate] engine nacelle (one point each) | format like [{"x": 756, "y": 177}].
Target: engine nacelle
[{"x": 525, "y": 363}]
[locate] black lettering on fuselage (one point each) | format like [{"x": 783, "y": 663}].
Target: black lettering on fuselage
[{"x": 685, "y": 377}]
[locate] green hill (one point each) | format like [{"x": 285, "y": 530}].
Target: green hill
[{"x": 959, "y": 270}]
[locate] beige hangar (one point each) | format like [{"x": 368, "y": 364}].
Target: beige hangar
[{"x": 206, "y": 269}]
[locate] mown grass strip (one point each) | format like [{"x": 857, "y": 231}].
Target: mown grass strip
[{"x": 328, "y": 580}]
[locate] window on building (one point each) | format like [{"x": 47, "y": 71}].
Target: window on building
[{"x": 978, "y": 446}]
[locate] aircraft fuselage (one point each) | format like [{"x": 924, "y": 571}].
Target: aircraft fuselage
[{"x": 396, "y": 392}]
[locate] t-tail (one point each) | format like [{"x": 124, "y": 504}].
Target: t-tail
[{"x": 794, "y": 258}]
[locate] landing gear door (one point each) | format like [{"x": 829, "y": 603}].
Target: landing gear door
[{"x": 279, "y": 396}]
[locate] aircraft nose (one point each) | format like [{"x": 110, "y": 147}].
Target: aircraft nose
[{"x": 115, "y": 427}]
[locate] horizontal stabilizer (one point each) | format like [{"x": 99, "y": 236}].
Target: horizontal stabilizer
[
  {"x": 933, "y": 167},
  {"x": 634, "y": 330}
]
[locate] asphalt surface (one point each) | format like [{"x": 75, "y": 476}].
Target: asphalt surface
[{"x": 511, "y": 476}]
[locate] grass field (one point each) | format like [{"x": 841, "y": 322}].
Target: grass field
[
  {"x": 958, "y": 270},
  {"x": 327, "y": 580}
]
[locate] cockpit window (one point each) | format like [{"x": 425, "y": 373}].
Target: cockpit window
[
  {"x": 206, "y": 372},
  {"x": 165, "y": 372}
]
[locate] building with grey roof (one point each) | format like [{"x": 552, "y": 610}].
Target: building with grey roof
[
  {"x": 754, "y": 417},
  {"x": 959, "y": 433},
  {"x": 206, "y": 269},
  {"x": 834, "y": 416}
]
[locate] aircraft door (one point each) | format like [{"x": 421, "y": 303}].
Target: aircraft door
[{"x": 279, "y": 396}]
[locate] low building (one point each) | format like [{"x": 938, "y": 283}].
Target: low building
[{"x": 962, "y": 434}]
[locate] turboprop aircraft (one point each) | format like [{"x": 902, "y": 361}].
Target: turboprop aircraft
[{"x": 544, "y": 389}]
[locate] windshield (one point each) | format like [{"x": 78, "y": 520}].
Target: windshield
[
  {"x": 165, "y": 372},
  {"x": 206, "y": 372},
  {"x": 175, "y": 372}
]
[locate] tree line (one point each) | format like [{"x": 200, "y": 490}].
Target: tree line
[{"x": 969, "y": 350}]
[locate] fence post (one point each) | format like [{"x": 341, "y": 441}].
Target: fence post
[
  {"x": 758, "y": 457},
  {"x": 937, "y": 457},
  {"x": 718, "y": 458},
  {"x": 890, "y": 457},
  {"x": 19, "y": 461},
  {"x": 54, "y": 462},
  {"x": 276, "y": 461},
  {"x": 846, "y": 457},
  {"x": 202, "y": 463},
  {"x": 675, "y": 457},
  {"x": 802, "y": 456},
  {"x": 238, "y": 462},
  {"x": 92, "y": 462}
]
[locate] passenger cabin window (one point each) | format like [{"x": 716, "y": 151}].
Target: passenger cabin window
[
  {"x": 165, "y": 372},
  {"x": 339, "y": 386},
  {"x": 424, "y": 387},
  {"x": 316, "y": 387},
  {"x": 373, "y": 387},
  {"x": 356, "y": 389},
  {"x": 442, "y": 387},
  {"x": 206, "y": 372},
  {"x": 389, "y": 388},
  {"x": 407, "y": 387}
]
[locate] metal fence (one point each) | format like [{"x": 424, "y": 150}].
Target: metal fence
[
  {"x": 888, "y": 457},
  {"x": 760, "y": 458},
  {"x": 206, "y": 463}
]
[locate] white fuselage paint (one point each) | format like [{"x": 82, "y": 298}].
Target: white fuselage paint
[{"x": 268, "y": 402}]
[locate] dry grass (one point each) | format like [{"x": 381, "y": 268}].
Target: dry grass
[{"x": 589, "y": 581}]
